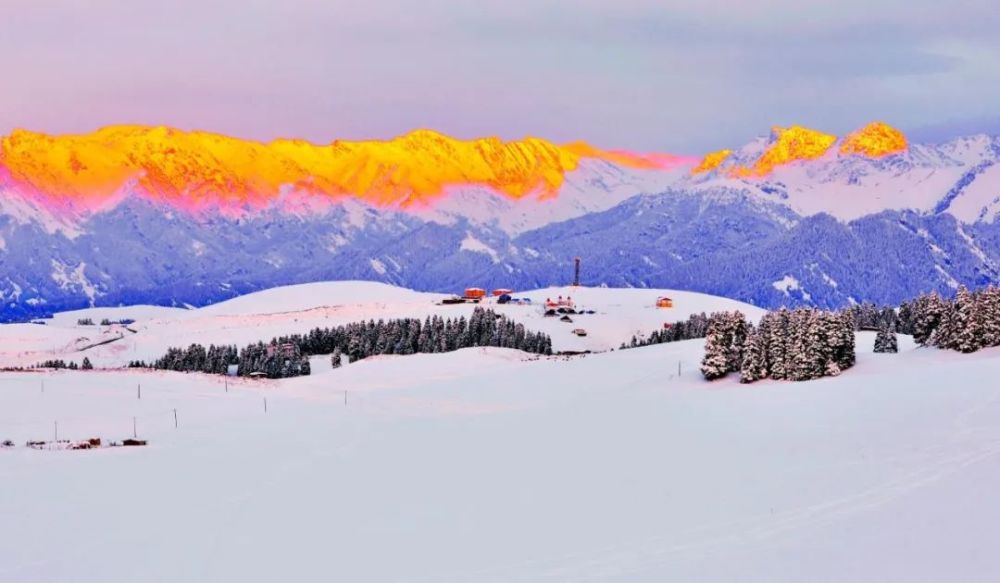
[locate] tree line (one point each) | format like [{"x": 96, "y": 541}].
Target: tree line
[
  {"x": 62, "y": 364},
  {"x": 694, "y": 327},
  {"x": 797, "y": 345},
  {"x": 966, "y": 323},
  {"x": 287, "y": 356}
]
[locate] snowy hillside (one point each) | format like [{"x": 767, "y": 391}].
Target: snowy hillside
[
  {"x": 619, "y": 314},
  {"x": 491, "y": 465}
]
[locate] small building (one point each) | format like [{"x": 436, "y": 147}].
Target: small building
[
  {"x": 664, "y": 302},
  {"x": 474, "y": 293},
  {"x": 560, "y": 302},
  {"x": 502, "y": 291}
]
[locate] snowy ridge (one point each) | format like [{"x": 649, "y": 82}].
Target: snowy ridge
[{"x": 924, "y": 218}]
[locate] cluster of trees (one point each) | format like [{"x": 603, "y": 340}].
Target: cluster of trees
[
  {"x": 798, "y": 345},
  {"x": 694, "y": 327},
  {"x": 288, "y": 355},
  {"x": 484, "y": 327},
  {"x": 195, "y": 358},
  {"x": 967, "y": 323},
  {"x": 60, "y": 364}
]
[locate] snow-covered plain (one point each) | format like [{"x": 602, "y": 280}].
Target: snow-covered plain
[{"x": 491, "y": 465}]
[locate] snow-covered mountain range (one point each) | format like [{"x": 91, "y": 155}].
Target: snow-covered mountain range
[{"x": 158, "y": 216}]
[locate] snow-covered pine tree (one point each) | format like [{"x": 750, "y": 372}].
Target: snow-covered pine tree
[
  {"x": 949, "y": 327},
  {"x": 739, "y": 329},
  {"x": 807, "y": 360},
  {"x": 970, "y": 321},
  {"x": 754, "y": 366},
  {"x": 715, "y": 363},
  {"x": 989, "y": 300},
  {"x": 335, "y": 358},
  {"x": 928, "y": 310},
  {"x": 778, "y": 343},
  {"x": 885, "y": 340}
]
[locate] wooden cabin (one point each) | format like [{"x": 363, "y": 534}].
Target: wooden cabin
[{"x": 664, "y": 302}]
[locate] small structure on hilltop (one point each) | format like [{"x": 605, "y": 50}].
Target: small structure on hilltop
[
  {"x": 474, "y": 293},
  {"x": 560, "y": 303},
  {"x": 664, "y": 302},
  {"x": 502, "y": 291}
]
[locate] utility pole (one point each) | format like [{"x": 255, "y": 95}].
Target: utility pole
[
  {"x": 138, "y": 391},
  {"x": 175, "y": 418},
  {"x": 576, "y": 276},
  {"x": 135, "y": 434}
]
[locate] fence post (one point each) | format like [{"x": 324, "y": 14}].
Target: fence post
[
  {"x": 265, "y": 404},
  {"x": 175, "y": 418},
  {"x": 138, "y": 391},
  {"x": 135, "y": 434}
]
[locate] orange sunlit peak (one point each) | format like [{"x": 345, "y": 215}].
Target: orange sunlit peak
[
  {"x": 792, "y": 144},
  {"x": 711, "y": 161},
  {"x": 875, "y": 140},
  {"x": 199, "y": 169}
]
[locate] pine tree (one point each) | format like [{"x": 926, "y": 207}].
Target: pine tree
[
  {"x": 885, "y": 340},
  {"x": 928, "y": 310},
  {"x": 715, "y": 363},
  {"x": 946, "y": 334},
  {"x": 754, "y": 365},
  {"x": 971, "y": 324},
  {"x": 86, "y": 364}
]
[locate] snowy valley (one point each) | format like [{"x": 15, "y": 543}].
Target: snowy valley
[{"x": 488, "y": 464}]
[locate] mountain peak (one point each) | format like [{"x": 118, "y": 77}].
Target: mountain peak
[
  {"x": 797, "y": 143},
  {"x": 789, "y": 145},
  {"x": 875, "y": 140}
]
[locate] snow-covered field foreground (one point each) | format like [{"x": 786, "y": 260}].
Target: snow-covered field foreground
[{"x": 489, "y": 465}]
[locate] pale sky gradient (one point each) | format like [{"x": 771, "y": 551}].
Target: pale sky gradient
[{"x": 682, "y": 76}]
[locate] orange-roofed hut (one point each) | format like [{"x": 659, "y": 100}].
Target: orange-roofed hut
[
  {"x": 664, "y": 302},
  {"x": 474, "y": 293}
]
